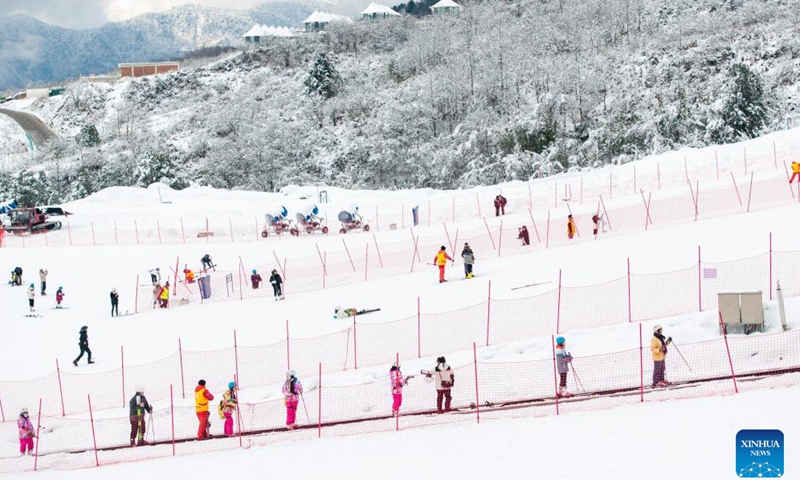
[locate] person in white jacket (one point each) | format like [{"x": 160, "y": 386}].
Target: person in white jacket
[
  {"x": 445, "y": 379},
  {"x": 31, "y": 295}
]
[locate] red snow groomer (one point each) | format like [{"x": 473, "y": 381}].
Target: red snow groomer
[{"x": 26, "y": 221}]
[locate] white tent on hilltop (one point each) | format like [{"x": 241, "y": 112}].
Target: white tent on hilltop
[
  {"x": 446, "y": 6},
  {"x": 375, "y": 11},
  {"x": 259, "y": 33},
  {"x": 318, "y": 21}
]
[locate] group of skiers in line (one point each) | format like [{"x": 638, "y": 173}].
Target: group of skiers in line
[
  {"x": 274, "y": 279},
  {"x": 16, "y": 280},
  {"x": 598, "y": 224}
]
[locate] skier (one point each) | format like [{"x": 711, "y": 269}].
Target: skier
[
  {"x": 31, "y": 295},
  {"x": 292, "y": 389},
  {"x": 188, "y": 274},
  {"x": 571, "y": 229},
  {"x": 83, "y": 342},
  {"x": 155, "y": 275},
  {"x": 114, "y": 301},
  {"x": 138, "y": 405},
  {"x": 795, "y": 172},
  {"x": 563, "y": 359},
  {"x": 351, "y": 312},
  {"x": 18, "y": 273},
  {"x": 226, "y": 407},
  {"x": 207, "y": 262},
  {"x": 13, "y": 281},
  {"x": 255, "y": 279},
  {"x": 43, "y": 278},
  {"x": 658, "y": 347},
  {"x": 596, "y": 222},
  {"x": 59, "y": 296},
  {"x": 441, "y": 260},
  {"x": 444, "y": 382},
  {"x": 524, "y": 236},
  {"x": 500, "y": 205},
  {"x": 156, "y": 294},
  {"x": 163, "y": 296},
  {"x": 397, "y": 381},
  {"x": 26, "y": 433},
  {"x": 469, "y": 260},
  {"x": 201, "y": 398},
  {"x": 277, "y": 284}
]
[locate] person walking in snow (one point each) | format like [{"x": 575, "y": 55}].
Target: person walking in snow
[
  {"x": 208, "y": 264},
  {"x": 114, "y": 301},
  {"x": 59, "y": 297},
  {"x": 500, "y": 205},
  {"x": 658, "y": 348},
  {"x": 226, "y": 407},
  {"x": 397, "y": 382},
  {"x": 524, "y": 235},
  {"x": 83, "y": 342},
  {"x": 31, "y": 295},
  {"x": 138, "y": 407},
  {"x": 795, "y": 171},
  {"x": 156, "y": 294},
  {"x": 26, "y": 433},
  {"x": 201, "y": 398},
  {"x": 277, "y": 284},
  {"x": 469, "y": 260},
  {"x": 292, "y": 389},
  {"x": 571, "y": 229},
  {"x": 440, "y": 260},
  {"x": 155, "y": 276},
  {"x": 43, "y": 279},
  {"x": 563, "y": 359},
  {"x": 255, "y": 279},
  {"x": 445, "y": 379},
  {"x": 163, "y": 296}
]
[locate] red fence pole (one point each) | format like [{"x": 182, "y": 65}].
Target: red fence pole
[
  {"x": 699, "y": 281},
  {"x": 728, "y": 349},
  {"x": 116, "y": 238},
  {"x": 355, "y": 342},
  {"x": 629, "y": 291},
  {"x": 452, "y": 248},
  {"x": 750, "y": 194},
  {"x": 323, "y": 265},
  {"x": 555, "y": 370},
  {"x": 488, "y": 311},
  {"x": 477, "y": 393},
  {"x": 490, "y": 233},
  {"x": 348, "y": 254},
  {"x": 236, "y": 358},
  {"x": 380, "y": 260},
  {"x": 366, "y": 260},
  {"x": 38, "y": 430},
  {"x": 180, "y": 357},
  {"x": 419, "y": 329},
  {"x": 737, "y": 189},
  {"x": 558, "y": 314},
  {"x": 172, "y": 416},
  {"x": 69, "y": 233},
  {"x": 533, "y": 222},
  {"x": 319, "y": 403},
  {"x": 477, "y": 201},
  {"x": 175, "y": 279},
  {"x": 770, "y": 264},
  {"x": 641, "y": 365},
  {"x": 122, "y": 359},
  {"x": 647, "y": 219},
  {"x": 94, "y": 437},
  {"x": 603, "y": 204},
  {"x": 288, "y": 355},
  {"x": 415, "y": 253},
  {"x": 230, "y": 225},
  {"x": 500, "y": 239},
  {"x": 60, "y": 389}
]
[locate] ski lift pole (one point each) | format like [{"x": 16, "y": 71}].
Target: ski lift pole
[{"x": 682, "y": 357}]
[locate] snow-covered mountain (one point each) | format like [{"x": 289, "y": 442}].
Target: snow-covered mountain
[{"x": 34, "y": 53}]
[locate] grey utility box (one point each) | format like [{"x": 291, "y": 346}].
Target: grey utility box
[{"x": 742, "y": 308}]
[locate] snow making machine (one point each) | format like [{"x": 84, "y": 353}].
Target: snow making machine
[
  {"x": 352, "y": 220},
  {"x": 276, "y": 221},
  {"x": 308, "y": 219}
]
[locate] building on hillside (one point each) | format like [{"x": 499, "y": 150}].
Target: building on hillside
[
  {"x": 376, "y": 11},
  {"x": 37, "y": 93},
  {"x": 100, "y": 78},
  {"x": 145, "y": 69},
  {"x": 318, "y": 21},
  {"x": 446, "y": 6},
  {"x": 259, "y": 33}
]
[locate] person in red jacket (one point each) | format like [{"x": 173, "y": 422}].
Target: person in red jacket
[
  {"x": 255, "y": 279},
  {"x": 500, "y": 205},
  {"x": 201, "y": 399},
  {"x": 441, "y": 260},
  {"x": 524, "y": 236}
]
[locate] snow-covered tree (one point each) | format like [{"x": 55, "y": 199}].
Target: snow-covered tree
[{"x": 323, "y": 78}]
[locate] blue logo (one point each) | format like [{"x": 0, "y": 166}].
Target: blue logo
[{"x": 759, "y": 454}]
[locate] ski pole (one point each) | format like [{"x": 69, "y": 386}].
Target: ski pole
[
  {"x": 152, "y": 427},
  {"x": 305, "y": 408},
  {"x": 682, "y": 357},
  {"x": 578, "y": 380}
]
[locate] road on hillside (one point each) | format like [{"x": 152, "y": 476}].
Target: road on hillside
[{"x": 39, "y": 132}]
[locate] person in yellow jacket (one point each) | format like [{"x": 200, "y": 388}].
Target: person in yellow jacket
[
  {"x": 163, "y": 296},
  {"x": 571, "y": 229},
  {"x": 658, "y": 347},
  {"x": 795, "y": 172},
  {"x": 201, "y": 398},
  {"x": 441, "y": 260}
]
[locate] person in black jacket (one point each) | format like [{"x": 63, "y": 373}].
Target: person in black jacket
[
  {"x": 208, "y": 264},
  {"x": 83, "y": 342},
  {"x": 138, "y": 406},
  {"x": 114, "y": 302},
  {"x": 18, "y": 273},
  {"x": 276, "y": 282}
]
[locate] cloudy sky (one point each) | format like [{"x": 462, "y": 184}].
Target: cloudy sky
[{"x": 93, "y": 13}]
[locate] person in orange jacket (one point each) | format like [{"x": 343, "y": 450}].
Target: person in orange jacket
[
  {"x": 163, "y": 296},
  {"x": 201, "y": 398},
  {"x": 795, "y": 172},
  {"x": 571, "y": 229},
  {"x": 188, "y": 274},
  {"x": 441, "y": 260},
  {"x": 658, "y": 348}
]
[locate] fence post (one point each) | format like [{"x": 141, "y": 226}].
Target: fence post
[
  {"x": 288, "y": 355},
  {"x": 500, "y": 239},
  {"x": 319, "y": 403},
  {"x": 175, "y": 278},
  {"x": 452, "y": 248},
  {"x": 558, "y": 311},
  {"x": 488, "y": 311},
  {"x": 116, "y": 238},
  {"x": 94, "y": 240},
  {"x": 419, "y": 329},
  {"x": 737, "y": 189},
  {"x": 136, "y": 296},
  {"x": 2, "y": 412},
  {"x": 324, "y": 273},
  {"x": 728, "y": 350},
  {"x": 415, "y": 253},
  {"x": 555, "y": 370},
  {"x": 686, "y": 169},
  {"x": 770, "y": 264},
  {"x": 641, "y": 365},
  {"x": 122, "y": 358},
  {"x": 60, "y": 389},
  {"x": 230, "y": 226},
  {"x": 380, "y": 260},
  {"x": 348, "y": 255},
  {"x": 750, "y": 194},
  {"x": 183, "y": 233},
  {"x": 38, "y": 430},
  {"x": 355, "y": 342},
  {"x": 477, "y": 394},
  {"x": 366, "y": 260},
  {"x": 172, "y": 416},
  {"x": 699, "y": 281},
  {"x": 630, "y": 316},
  {"x": 490, "y": 233},
  {"x": 136, "y": 229},
  {"x": 180, "y": 356},
  {"x": 69, "y": 233},
  {"x": 478, "y": 202},
  {"x": 94, "y": 437},
  {"x": 236, "y": 358}
]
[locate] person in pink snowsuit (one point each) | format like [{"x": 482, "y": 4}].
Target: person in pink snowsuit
[
  {"x": 398, "y": 382},
  {"x": 26, "y": 433},
  {"x": 291, "y": 395}
]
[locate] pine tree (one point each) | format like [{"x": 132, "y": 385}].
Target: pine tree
[
  {"x": 88, "y": 136},
  {"x": 745, "y": 110},
  {"x": 323, "y": 78}
]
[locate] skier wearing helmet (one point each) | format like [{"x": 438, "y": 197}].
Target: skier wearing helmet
[
  {"x": 31, "y": 295},
  {"x": 83, "y": 342},
  {"x": 226, "y": 407},
  {"x": 138, "y": 405},
  {"x": 563, "y": 359},
  {"x": 26, "y": 433},
  {"x": 292, "y": 389},
  {"x": 255, "y": 279},
  {"x": 59, "y": 297},
  {"x": 277, "y": 285},
  {"x": 658, "y": 347}
]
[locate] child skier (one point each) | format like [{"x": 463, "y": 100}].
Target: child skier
[
  {"x": 226, "y": 407},
  {"x": 277, "y": 283},
  {"x": 469, "y": 260},
  {"x": 138, "y": 405},
  {"x": 26, "y": 433},
  {"x": 444, "y": 382},
  {"x": 292, "y": 389},
  {"x": 31, "y": 295},
  {"x": 795, "y": 171},
  {"x": 188, "y": 274},
  {"x": 658, "y": 348},
  {"x": 563, "y": 359},
  {"x": 524, "y": 236},
  {"x": 571, "y": 229},
  {"x": 397, "y": 382},
  {"x": 83, "y": 342},
  {"x": 59, "y": 296},
  {"x": 255, "y": 279},
  {"x": 440, "y": 260},
  {"x": 114, "y": 301}
]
